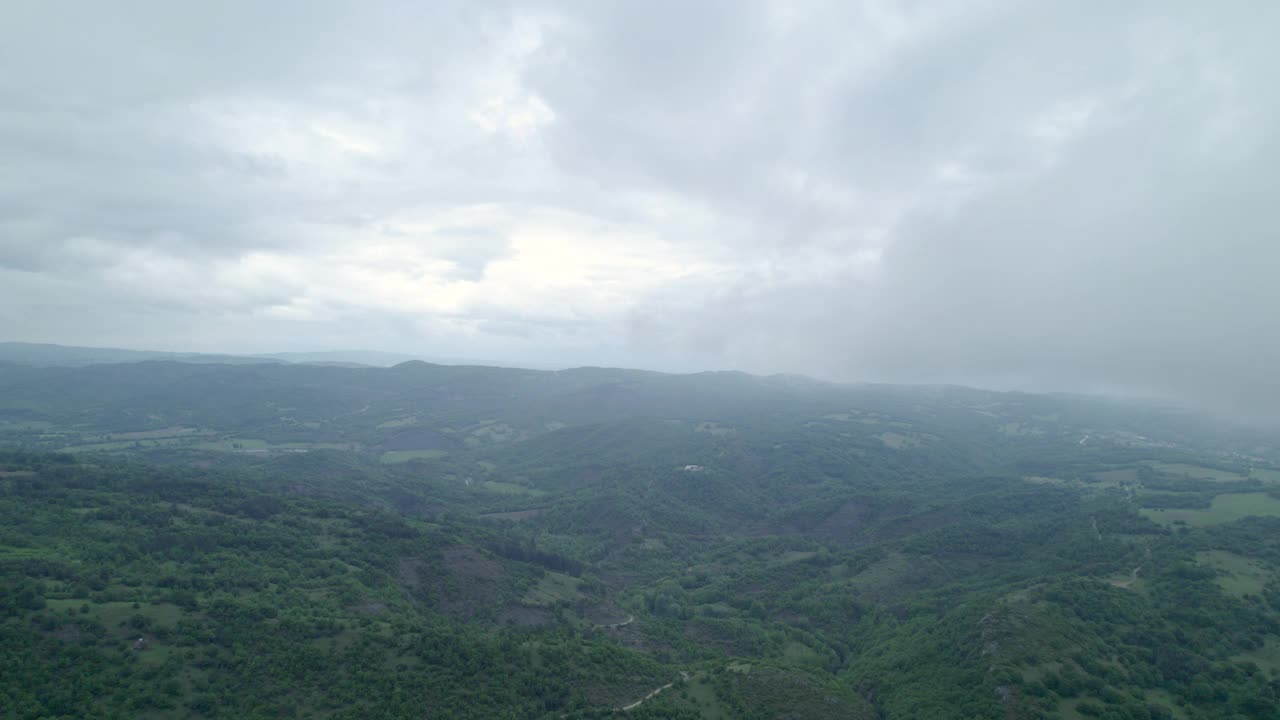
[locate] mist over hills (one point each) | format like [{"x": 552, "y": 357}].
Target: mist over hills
[
  {"x": 45, "y": 354},
  {"x": 329, "y": 396},
  {"x": 369, "y": 541}
]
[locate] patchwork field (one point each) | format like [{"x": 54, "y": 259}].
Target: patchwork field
[
  {"x": 1197, "y": 472},
  {"x": 1265, "y": 475},
  {"x": 1225, "y": 508},
  {"x": 1105, "y": 480}
]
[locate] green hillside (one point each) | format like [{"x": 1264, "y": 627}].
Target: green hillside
[{"x": 243, "y": 541}]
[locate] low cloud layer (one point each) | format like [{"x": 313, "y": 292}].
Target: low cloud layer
[{"x": 1009, "y": 194}]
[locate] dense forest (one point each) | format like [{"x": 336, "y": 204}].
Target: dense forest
[{"x": 250, "y": 540}]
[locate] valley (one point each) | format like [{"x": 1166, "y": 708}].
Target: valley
[{"x": 208, "y": 540}]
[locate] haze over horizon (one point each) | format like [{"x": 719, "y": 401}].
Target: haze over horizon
[{"x": 986, "y": 193}]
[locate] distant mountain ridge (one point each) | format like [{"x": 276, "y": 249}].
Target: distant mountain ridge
[
  {"x": 54, "y": 355},
  {"x": 361, "y": 406},
  {"x": 51, "y": 355}
]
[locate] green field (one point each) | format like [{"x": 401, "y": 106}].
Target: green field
[
  {"x": 1117, "y": 477},
  {"x": 115, "y": 615},
  {"x": 25, "y": 553},
  {"x": 702, "y": 696},
  {"x": 801, "y": 654},
  {"x": 398, "y": 423},
  {"x": 1098, "y": 481},
  {"x": 1019, "y": 429},
  {"x": 898, "y": 441},
  {"x": 1042, "y": 480},
  {"x": 235, "y": 445},
  {"x": 1241, "y": 575},
  {"x": 796, "y": 555},
  {"x": 1267, "y": 657},
  {"x": 391, "y": 457},
  {"x": 1265, "y": 474},
  {"x": 552, "y": 588},
  {"x": 1197, "y": 472},
  {"x": 1225, "y": 508},
  {"x": 506, "y": 488},
  {"x": 116, "y": 445},
  {"x": 947, "y": 559}
]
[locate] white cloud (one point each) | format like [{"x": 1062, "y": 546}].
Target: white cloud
[{"x": 953, "y": 191}]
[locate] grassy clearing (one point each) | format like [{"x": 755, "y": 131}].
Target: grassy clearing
[
  {"x": 796, "y": 556},
  {"x": 175, "y": 431},
  {"x": 898, "y": 441},
  {"x": 1165, "y": 698},
  {"x": 1017, "y": 429},
  {"x": 1225, "y": 508},
  {"x": 702, "y": 696},
  {"x": 801, "y": 654},
  {"x": 718, "y": 609},
  {"x": 234, "y": 445},
  {"x": 122, "y": 445},
  {"x": 1265, "y": 475},
  {"x": 496, "y": 432},
  {"x": 514, "y": 515},
  {"x": 1242, "y": 576},
  {"x": 715, "y": 429},
  {"x": 1129, "y": 581},
  {"x": 1042, "y": 480},
  {"x": 1267, "y": 657},
  {"x": 1100, "y": 481},
  {"x": 1067, "y": 709},
  {"x": 1117, "y": 477},
  {"x": 398, "y": 423},
  {"x": 113, "y": 615},
  {"x": 505, "y": 488},
  {"x": 25, "y": 424},
  {"x": 392, "y": 457},
  {"x": 256, "y": 445},
  {"x": 552, "y": 588},
  {"x": 1197, "y": 472},
  {"x": 698, "y": 694},
  {"x": 26, "y": 553},
  {"x": 884, "y": 573}
]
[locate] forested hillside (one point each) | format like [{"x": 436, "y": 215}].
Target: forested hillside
[{"x": 271, "y": 540}]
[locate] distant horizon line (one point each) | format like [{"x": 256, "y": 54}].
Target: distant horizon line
[{"x": 405, "y": 357}]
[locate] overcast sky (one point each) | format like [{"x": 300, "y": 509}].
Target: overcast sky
[{"x": 1050, "y": 195}]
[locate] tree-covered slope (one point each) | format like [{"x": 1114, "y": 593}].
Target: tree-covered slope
[{"x": 299, "y": 541}]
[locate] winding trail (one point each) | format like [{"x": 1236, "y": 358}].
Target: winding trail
[
  {"x": 1133, "y": 576},
  {"x": 1126, "y": 584},
  {"x": 630, "y": 619},
  {"x": 683, "y": 676}
]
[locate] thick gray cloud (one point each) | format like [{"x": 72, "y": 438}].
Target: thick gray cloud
[{"x": 1036, "y": 195}]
